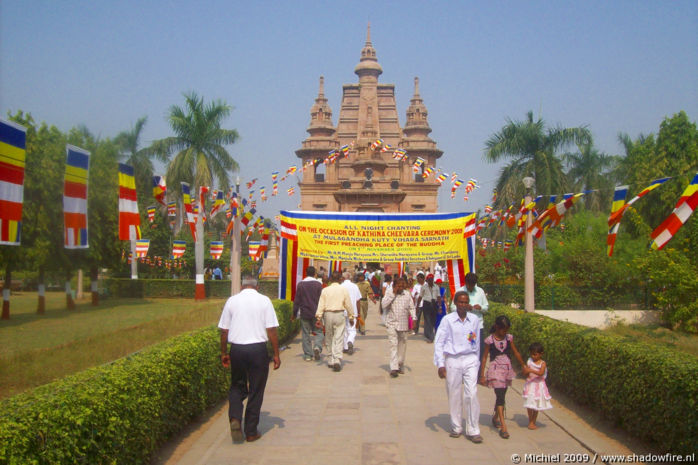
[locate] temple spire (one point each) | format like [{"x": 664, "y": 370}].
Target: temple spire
[
  {"x": 416, "y": 87},
  {"x": 321, "y": 91},
  {"x": 368, "y": 67},
  {"x": 368, "y": 34}
]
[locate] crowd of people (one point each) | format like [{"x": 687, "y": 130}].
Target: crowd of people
[{"x": 333, "y": 308}]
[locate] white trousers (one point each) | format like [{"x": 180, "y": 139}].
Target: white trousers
[
  {"x": 461, "y": 387},
  {"x": 334, "y": 335},
  {"x": 350, "y": 333},
  {"x": 397, "y": 341}
]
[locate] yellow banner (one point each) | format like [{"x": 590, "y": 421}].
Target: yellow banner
[{"x": 379, "y": 237}]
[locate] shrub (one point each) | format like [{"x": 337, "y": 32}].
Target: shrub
[
  {"x": 644, "y": 388},
  {"x": 140, "y": 288},
  {"x": 123, "y": 411}
]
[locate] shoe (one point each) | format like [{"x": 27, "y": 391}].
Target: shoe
[
  {"x": 316, "y": 353},
  {"x": 503, "y": 434},
  {"x": 363, "y": 332},
  {"x": 477, "y": 439},
  {"x": 253, "y": 437},
  {"x": 308, "y": 359},
  {"x": 345, "y": 351},
  {"x": 236, "y": 431},
  {"x": 350, "y": 351},
  {"x": 401, "y": 370},
  {"x": 337, "y": 367},
  {"x": 393, "y": 373},
  {"x": 453, "y": 434}
]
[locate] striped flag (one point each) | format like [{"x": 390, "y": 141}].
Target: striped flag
[
  {"x": 159, "y": 189},
  {"x": 335, "y": 265},
  {"x": 178, "y": 248},
  {"x": 291, "y": 268},
  {"x": 292, "y": 169},
  {"x": 288, "y": 230},
  {"x": 417, "y": 165},
  {"x": 470, "y": 225},
  {"x": 75, "y": 197},
  {"x": 251, "y": 183},
  {"x": 684, "y": 209},
  {"x": 253, "y": 249},
  {"x": 189, "y": 209},
  {"x": 618, "y": 201},
  {"x": 456, "y": 271},
  {"x": 400, "y": 268},
  {"x": 203, "y": 190},
  {"x": 216, "y": 249},
  {"x": 142, "y": 246},
  {"x": 13, "y": 139},
  {"x": 617, "y": 216},
  {"x": 553, "y": 214},
  {"x": 151, "y": 214},
  {"x": 129, "y": 219},
  {"x": 507, "y": 245},
  {"x": 172, "y": 209},
  {"x": 217, "y": 204},
  {"x": 247, "y": 217}
]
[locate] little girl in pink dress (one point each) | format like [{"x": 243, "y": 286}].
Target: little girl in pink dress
[{"x": 535, "y": 391}]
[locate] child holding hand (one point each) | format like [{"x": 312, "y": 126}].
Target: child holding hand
[
  {"x": 499, "y": 346},
  {"x": 535, "y": 391}
]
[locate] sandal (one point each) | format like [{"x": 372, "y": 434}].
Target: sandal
[
  {"x": 503, "y": 434},
  {"x": 495, "y": 421}
]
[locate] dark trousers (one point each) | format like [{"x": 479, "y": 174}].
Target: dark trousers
[
  {"x": 249, "y": 370},
  {"x": 419, "y": 317},
  {"x": 429, "y": 312}
]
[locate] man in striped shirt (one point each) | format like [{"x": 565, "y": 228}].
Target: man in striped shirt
[{"x": 399, "y": 306}]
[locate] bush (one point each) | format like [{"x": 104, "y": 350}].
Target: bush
[
  {"x": 140, "y": 288},
  {"x": 649, "y": 390},
  {"x": 121, "y": 412}
]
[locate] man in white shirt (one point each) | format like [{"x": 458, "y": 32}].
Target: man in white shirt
[
  {"x": 334, "y": 300},
  {"x": 247, "y": 322},
  {"x": 415, "y": 296},
  {"x": 355, "y": 295},
  {"x": 456, "y": 350}
]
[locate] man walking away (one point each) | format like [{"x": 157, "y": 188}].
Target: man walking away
[
  {"x": 355, "y": 295},
  {"x": 365, "y": 289},
  {"x": 304, "y": 307},
  {"x": 247, "y": 322},
  {"x": 456, "y": 355},
  {"x": 334, "y": 300}
]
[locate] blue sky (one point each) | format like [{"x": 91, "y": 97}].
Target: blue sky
[{"x": 620, "y": 66}]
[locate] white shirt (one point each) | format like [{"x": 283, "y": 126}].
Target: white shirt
[
  {"x": 415, "y": 294},
  {"x": 456, "y": 337},
  {"x": 477, "y": 297},
  {"x": 247, "y": 316},
  {"x": 354, "y": 292}
]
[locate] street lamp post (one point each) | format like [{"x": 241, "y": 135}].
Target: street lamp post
[
  {"x": 529, "y": 289},
  {"x": 236, "y": 248}
]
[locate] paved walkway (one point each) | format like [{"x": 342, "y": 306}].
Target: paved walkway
[{"x": 312, "y": 415}]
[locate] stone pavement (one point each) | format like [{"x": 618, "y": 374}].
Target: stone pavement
[{"x": 312, "y": 415}]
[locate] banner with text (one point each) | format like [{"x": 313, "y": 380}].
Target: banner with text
[{"x": 378, "y": 237}]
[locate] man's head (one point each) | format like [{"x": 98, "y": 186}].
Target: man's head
[
  {"x": 430, "y": 279},
  {"x": 462, "y": 302},
  {"x": 310, "y": 271},
  {"x": 249, "y": 282},
  {"x": 346, "y": 276},
  {"x": 336, "y": 277},
  {"x": 360, "y": 277},
  {"x": 399, "y": 285},
  {"x": 470, "y": 281},
  {"x": 388, "y": 278},
  {"x": 420, "y": 277}
]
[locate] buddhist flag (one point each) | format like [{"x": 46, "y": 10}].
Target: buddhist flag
[
  {"x": 172, "y": 209},
  {"x": 377, "y": 143},
  {"x": 253, "y": 249},
  {"x": 400, "y": 268},
  {"x": 554, "y": 214},
  {"x": 216, "y": 249},
  {"x": 288, "y": 230},
  {"x": 75, "y": 197},
  {"x": 178, "y": 248},
  {"x": 617, "y": 216},
  {"x": 203, "y": 190},
  {"x": 456, "y": 271},
  {"x": 470, "y": 225},
  {"x": 441, "y": 178},
  {"x": 400, "y": 154},
  {"x": 13, "y": 139},
  {"x": 335, "y": 265},
  {"x": 129, "y": 219},
  {"x": 159, "y": 189},
  {"x": 291, "y": 190},
  {"x": 142, "y": 246},
  {"x": 251, "y": 183},
  {"x": 292, "y": 169},
  {"x": 683, "y": 210},
  {"x": 189, "y": 209},
  {"x": 417, "y": 165},
  {"x": 247, "y": 217},
  {"x": 217, "y": 204},
  {"x": 618, "y": 201},
  {"x": 291, "y": 268},
  {"x": 151, "y": 214}
]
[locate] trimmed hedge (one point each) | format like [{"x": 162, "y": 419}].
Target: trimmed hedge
[
  {"x": 123, "y": 411},
  {"x": 140, "y": 288},
  {"x": 648, "y": 390}
]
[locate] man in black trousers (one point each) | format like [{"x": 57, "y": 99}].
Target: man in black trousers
[{"x": 247, "y": 322}]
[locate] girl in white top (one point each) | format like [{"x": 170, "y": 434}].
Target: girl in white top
[{"x": 535, "y": 391}]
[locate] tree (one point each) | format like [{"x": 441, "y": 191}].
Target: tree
[
  {"x": 588, "y": 170},
  {"x": 533, "y": 150},
  {"x": 199, "y": 155}
]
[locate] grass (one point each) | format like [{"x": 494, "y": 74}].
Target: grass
[
  {"x": 38, "y": 349},
  {"x": 655, "y": 334}
]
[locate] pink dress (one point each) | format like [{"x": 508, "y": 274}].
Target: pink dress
[
  {"x": 535, "y": 391},
  {"x": 499, "y": 372}
]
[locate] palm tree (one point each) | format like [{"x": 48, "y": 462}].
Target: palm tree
[
  {"x": 589, "y": 170},
  {"x": 199, "y": 156},
  {"x": 533, "y": 150}
]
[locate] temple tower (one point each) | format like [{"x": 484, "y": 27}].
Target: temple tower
[{"x": 367, "y": 179}]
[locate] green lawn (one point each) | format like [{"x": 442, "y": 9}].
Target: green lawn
[
  {"x": 37, "y": 349},
  {"x": 655, "y": 334}
]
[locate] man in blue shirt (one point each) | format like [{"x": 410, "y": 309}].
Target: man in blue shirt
[{"x": 456, "y": 354}]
